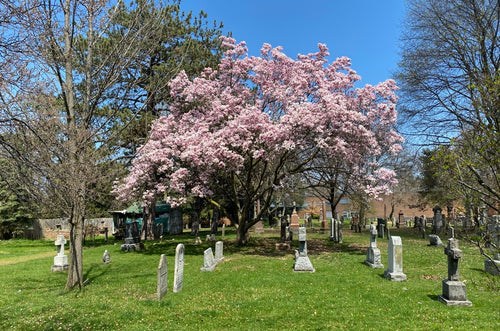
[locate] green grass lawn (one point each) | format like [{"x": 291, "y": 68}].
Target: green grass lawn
[{"x": 254, "y": 288}]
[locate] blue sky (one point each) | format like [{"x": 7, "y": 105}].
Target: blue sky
[{"x": 367, "y": 31}]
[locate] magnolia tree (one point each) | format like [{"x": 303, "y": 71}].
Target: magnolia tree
[{"x": 246, "y": 128}]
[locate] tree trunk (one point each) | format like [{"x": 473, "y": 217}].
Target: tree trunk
[
  {"x": 242, "y": 233},
  {"x": 75, "y": 271}
]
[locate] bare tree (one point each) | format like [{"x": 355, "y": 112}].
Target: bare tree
[
  {"x": 450, "y": 79},
  {"x": 60, "y": 94}
]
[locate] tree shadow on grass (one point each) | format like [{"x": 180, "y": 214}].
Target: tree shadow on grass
[
  {"x": 96, "y": 270},
  {"x": 267, "y": 245}
]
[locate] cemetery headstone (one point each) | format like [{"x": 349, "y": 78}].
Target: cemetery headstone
[
  {"x": 178, "y": 268},
  {"x": 215, "y": 222},
  {"x": 454, "y": 291},
  {"x": 132, "y": 241},
  {"x": 161, "y": 287},
  {"x": 437, "y": 223},
  {"x": 60, "y": 260},
  {"x": 195, "y": 226},
  {"x": 175, "y": 221},
  {"x": 219, "y": 255},
  {"x": 283, "y": 232},
  {"x": 373, "y": 257},
  {"x": 394, "y": 271},
  {"x": 380, "y": 227},
  {"x": 434, "y": 240},
  {"x": 197, "y": 241},
  {"x": 492, "y": 266},
  {"x": 302, "y": 262},
  {"x": 336, "y": 231},
  {"x": 294, "y": 219},
  {"x": 223, "y": 230},
  {"x": 209, "y": 263},
  {"x": 258, "y": 228},
  {"x": 105, "y": 257}
]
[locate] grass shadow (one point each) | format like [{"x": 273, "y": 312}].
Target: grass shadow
[{"x": 433, "y": 297}]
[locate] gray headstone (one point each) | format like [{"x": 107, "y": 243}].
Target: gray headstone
[
  {"x": 178, "y": 268},
  {"x": 175, "y": 221},
  {"x": 454, "y": 291},
  {"x": 434, "y": 240},
  {"x": 223, "y": 230},
  {"x": 105, "y": 257},
  {"x": 161, "y": 288},
  {"x": 394, "y": 270},
  {"x": 373, "y": 257},
  {"x": 209, "y": 263},
  {"x": 219, "y": 256}
]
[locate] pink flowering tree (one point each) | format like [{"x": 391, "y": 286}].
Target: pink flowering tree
[{"x": 246, "y": 128}]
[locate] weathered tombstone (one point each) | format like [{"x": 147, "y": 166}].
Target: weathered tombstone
[
  {"x": 258, "y": 228},
  {"x": 454, "y": 292},
  {"x": 336, "y": 231},
  {"x": 175, "y": 221},
  {"x": 60, "y": 260},
  {"x": 302, "y": 262},
  {"x": 215, "y": 222},
  {"x": 223, "y": 230},
  {"x": 161, "y": 287},
  {"x": 373, "y": 258},
  {"x": 423, "y": 233},
  {"x": 209, "y": 263},
  {"x": 195, "y": 225},
  {"x": 394, "y": 270},
  {"x": 105, "y": 257},
  {"x": 219, "y": 256},
  {"x": 132, "y": 241},
  {"x": 158, "y": 231},
  {"x": 178, "y": 268},
  {"x": 197, "y": 241},
  {"x": 434, "y": 240},
  {"x": 294, "y": 219},
  {"x": 401, "y": 221},
  {"x": 380, "y": 227},
  {"x": 492, "y": 266},
  {"x": 283, "y": 232},
  {"x": 437, "y": 223}
]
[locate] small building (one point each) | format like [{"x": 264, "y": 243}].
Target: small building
[{"x": 166, "y": 217}]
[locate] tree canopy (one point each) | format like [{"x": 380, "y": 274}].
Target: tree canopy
[{"x": 255, "y": 121}]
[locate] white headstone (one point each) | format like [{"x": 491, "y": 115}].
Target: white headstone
[
  {"x": 60, "y": 260},
  {"x": 208, "y": 260},
  {"x": 161, "y": 289},
  {"x": 394, "y": 271},
  {"x": 179, "y": 268},
  {"x": 105, "y": 257},
  {"x": 219, "y": 247}
]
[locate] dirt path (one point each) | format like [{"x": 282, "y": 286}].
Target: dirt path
[{"x": 25, "y": 258}]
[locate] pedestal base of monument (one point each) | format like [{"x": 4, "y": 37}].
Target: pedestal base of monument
[
  {"x": 303, "y": 264},
  {"x": 395, "y": 276},
  {"x": 492, "y": 267},
  {"x": 60, "y": 263},
  {"x": 132, "y": 247},
  {"x": 374, "y": 265},
  {"x": 59, "y": 267},
  {"x": 454, "y": 294}
]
